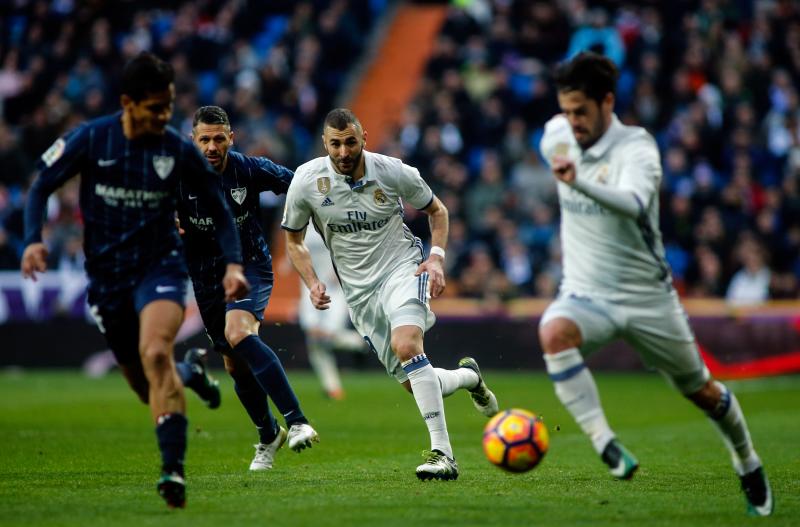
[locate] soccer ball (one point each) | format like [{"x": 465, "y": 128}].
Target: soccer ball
[{"x": 515, "y": 440}]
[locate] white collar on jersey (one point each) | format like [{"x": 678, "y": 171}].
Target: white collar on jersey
[
  {"x": 610, "y": 137},
  {"x": 369, "y": 172}
]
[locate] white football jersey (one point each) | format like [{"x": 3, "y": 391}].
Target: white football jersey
[
  {"x": 606, "y": 253},
  {"x": 362, "y": 224}
]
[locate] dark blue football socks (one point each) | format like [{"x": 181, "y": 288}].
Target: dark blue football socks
[
  {"x": 171, "y": 434},
  {"x": 269, "y": 374},
  {"x": 255, "y": 403}
]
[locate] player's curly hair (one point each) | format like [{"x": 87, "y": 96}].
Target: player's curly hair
[
  {"x": 589, "y": 72},
  {"x": 146, "y": 74}
]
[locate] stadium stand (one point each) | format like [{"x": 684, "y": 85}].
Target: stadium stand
[
  {"x": 715, "y": 82},
  {"x": 718, "y": 90}
]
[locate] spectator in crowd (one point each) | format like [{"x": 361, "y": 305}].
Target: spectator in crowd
[
  {"x": 719, "y": 93},
  {"x": 750, "y": 284},
  {"x": 60, "y": 62}
]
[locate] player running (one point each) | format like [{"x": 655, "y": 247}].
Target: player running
[
  {"x": 233, "y": 327},
  {"x": 617, "y": 283},
  {"x": 354, "y": 198},
  {"x": 131, "y": 164},
  {"x": 327, "y": 330}
]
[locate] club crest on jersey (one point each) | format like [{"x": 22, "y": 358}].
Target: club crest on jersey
[
  {"x": 561, "y": 149},
  {"x": 163, "y": 165},
  {"x": 380, "y": 198},
  {"x": 238, "y": 194},
  {"x": 324, "y": 184},
  {"x": 602, "y": 174}
]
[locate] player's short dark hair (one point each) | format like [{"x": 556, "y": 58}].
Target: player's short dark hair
[
  {"x": 589, "y": 72},
  {"x": 146, "y": 74},
  {"x": 341, "y": 118},
  {"x": 210, "y": 115}
]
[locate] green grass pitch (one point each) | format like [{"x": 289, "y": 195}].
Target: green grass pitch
[{"x": 78, "y": 451}]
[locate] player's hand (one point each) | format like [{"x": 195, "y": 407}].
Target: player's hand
[
  {"x": 564, "y": 169},
  {"x": 319, "y": 298},
  {"x": 178, "y": 226},
  {"x": 234, "y": 282},
  {"x": 34, "y": 260},
  {"x": 433, "y": 266}
]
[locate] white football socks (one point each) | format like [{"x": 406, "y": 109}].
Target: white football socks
[
  {"x": 323, "y": 362},
  {"x": 454, "y": 380},
  {"x": 730, "y": 422},
  {"x": 428, "y": 394},
  {"x": 575, "y": 388}
]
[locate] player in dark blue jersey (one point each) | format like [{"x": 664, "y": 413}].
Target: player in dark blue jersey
[
  {"x": 233, "y": 327},
  {"x": 131, "y": 164}
]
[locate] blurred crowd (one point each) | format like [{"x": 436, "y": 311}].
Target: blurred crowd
[
  {"x": 715, "y": 81},
  {"x": 274, "y": 66}
]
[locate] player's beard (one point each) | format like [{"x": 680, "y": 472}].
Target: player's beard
[
  {"x": 355, "y": 162},
  {"x": 592, "y": 135}
]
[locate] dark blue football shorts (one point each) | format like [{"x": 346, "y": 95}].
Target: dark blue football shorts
[
  {"x": 116, "y": 302},
  {"x": 211, "y": 299}
]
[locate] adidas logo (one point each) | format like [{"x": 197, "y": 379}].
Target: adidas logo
[{"x": 327, "y": 202}]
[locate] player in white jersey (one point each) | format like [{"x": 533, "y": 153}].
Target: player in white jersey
[
  {"x": 327, "y": 330},
  {"x": 616, "y": 283},
  {"x": 355, "y": 200}
]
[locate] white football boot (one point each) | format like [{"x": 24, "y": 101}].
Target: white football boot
[
  {"x": 301, "y": 435},
  {"x": 265, "y": 453}
]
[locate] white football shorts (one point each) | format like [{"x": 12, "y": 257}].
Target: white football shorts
[
  {"x": 655, "y": 325},
  {"x": 400, "y": 300}
]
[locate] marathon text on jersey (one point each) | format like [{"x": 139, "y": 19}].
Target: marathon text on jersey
[{"x": 129, "y": 197}]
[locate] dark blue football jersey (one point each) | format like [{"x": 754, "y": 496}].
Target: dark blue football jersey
[
  {"x": 243, "y": 179},
  {"x": 128, "y": 196}
]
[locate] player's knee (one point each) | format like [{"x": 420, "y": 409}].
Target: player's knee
[
  {"x": 559, "y": 334},
  {"x": 156, "y": 355},
  {"x": 405, "y": 349},
  {"x": 235, "y": 334}
]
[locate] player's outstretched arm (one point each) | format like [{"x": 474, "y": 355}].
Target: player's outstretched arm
[
  {"x": 439, "y": 221},
  {"x": 34, "y": 260},
  {"x": 301, "y": 260},
  {"x": 234, "y": 282},
  {"x": 58, "y": 164}
]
